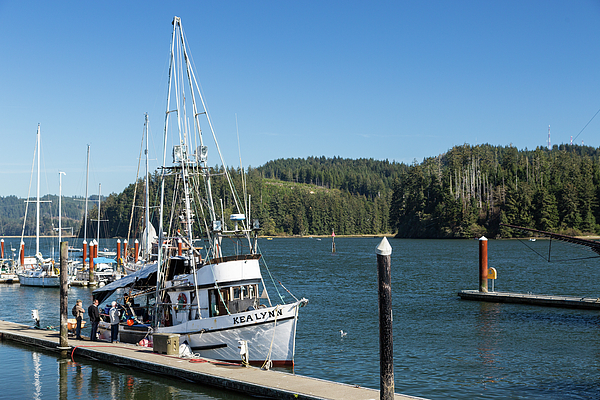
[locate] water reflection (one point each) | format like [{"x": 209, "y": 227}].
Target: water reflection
[
  {"x": 487, "y": 341},
  {"x": 45, "y": 375},
  {"x": 37, "y": 366}
]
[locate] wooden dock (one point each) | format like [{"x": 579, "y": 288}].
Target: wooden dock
[
  {"x": 585, "y": 303},
  {"x": 235, "y": 377}
]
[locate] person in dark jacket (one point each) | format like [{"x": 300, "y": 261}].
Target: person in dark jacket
[{"x": 94, "y": 318}]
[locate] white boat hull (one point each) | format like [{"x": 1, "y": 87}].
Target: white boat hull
[
  {"x": 41, "y": 281},
  {"x": 270, "y": 334}
]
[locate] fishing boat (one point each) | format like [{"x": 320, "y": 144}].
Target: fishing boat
[
  {"x": 37, "y": 270},
  {"x": 206, "y": 285}
]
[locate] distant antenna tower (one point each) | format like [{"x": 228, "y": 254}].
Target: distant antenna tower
[
  {"x": 571, "y": 139},
  {"x": 549, "y": 148}
]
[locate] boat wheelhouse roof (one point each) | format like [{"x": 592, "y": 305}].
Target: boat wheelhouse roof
[{"x": 147, "y": 273}]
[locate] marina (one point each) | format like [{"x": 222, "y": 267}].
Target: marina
[{"x": 444, "y": 347}]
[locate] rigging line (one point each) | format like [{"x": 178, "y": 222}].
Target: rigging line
[
  {"x": 28, "y": 193},
  {"x": 575, "y": 259},
  {"x": 530, "y": 248},
  {"x": 271, "y": 276},
  {"x": 137, "y": 176},
  {"x": 587, "y": 124}
]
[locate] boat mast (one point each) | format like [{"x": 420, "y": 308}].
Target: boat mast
[
  {"x": 37, "y": 207},
  {"x": 161, "y": 238},
  {"x": 60, "y": 174},
  {"x": 87, "y": 176},
  {"x": 147, "y": 199},
  {"x": 98, "y": 231}
]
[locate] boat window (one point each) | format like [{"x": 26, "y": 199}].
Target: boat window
[
  {"x": 245, "y": 292},
  {"x": 251, "y": 291},
  {"x": 236, "y": 293}
]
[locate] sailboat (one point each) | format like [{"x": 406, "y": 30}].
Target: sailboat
[
  {"x": 149, "y": 240},
  {"x": 208, "y": 291},
  {"x": 37, "y": 271}
]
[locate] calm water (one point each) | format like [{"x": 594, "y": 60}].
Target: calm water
[{"x": 443, "y": 347}]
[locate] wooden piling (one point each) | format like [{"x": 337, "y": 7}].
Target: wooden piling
[
  {"x": 483, "y": 265},
  {"x": 2, "y": 243},
  {"x": 136, "y": 246},
  {"x": 85, "y": 247},
  {"x": 91, "y": 278},
  {"x": 22, "y": 253},
  {"x": 386, "y": 339},
  {"x": 64, "y": 292}
]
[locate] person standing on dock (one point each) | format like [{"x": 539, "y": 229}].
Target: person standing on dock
[
  {"x": 114, "y": 322},
  {"x": 94, "y": 319},
  {"x": 79, "y": 311}
]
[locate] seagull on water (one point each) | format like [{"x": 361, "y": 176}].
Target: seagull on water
[{"x": 342, "y": 333}]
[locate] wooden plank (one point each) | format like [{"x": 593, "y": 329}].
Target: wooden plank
[{"x": 586, "y": 303}]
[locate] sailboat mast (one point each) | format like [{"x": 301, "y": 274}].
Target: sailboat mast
[
  {"x": 159, "y": 271},
  {"x": 60, "y": 174},
  {"x": 87, "y": 176},
  {"x": 98, "y": 231},
  {"x": 147, "y": 199},
  {"x": 37, "y": 207}
]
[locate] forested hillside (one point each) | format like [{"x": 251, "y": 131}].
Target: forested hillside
[
  {"x": 348, "y": 196},
  {"x": 465, "y": 192},
  {"x": 468, "y": 191},
  {"x": 12, "y": 214}
]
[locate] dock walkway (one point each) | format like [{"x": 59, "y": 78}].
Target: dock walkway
[
  {"x": 586, "y": 303},
  {"x": 251, "y": 380}
]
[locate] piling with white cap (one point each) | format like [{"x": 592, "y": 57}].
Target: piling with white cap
[
  {"x": 386, "y": 339},
  {"x": 483, "y": 265}
]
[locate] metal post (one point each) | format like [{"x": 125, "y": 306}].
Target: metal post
[
  {"x": 386, "y": 339},
  {"x": 483, "y": 265},
  {"x": 64, "y": 292}
]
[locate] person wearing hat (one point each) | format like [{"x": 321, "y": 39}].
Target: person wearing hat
[
  {"x": 114, "y": 322},
  {"x": 79, "y": 311}
]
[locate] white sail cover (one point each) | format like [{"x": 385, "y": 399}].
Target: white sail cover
[{"x": 151, "y": 233}]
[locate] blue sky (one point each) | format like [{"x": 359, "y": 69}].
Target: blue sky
[{"x": 392, "y": 80}]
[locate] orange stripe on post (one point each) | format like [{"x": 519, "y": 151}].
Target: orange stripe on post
[{"x": 483, "y": 264}]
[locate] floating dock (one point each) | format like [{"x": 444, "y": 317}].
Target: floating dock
[
  {"x": 223, "y": 375},
  {"x": 585, "y": 303}
]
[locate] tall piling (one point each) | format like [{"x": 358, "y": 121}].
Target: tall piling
[
  {"x": 136, "y": 247},
  {"x": 2, "y": 243},
  {"x": 64, "y": 292},
  {"x": 483, "y": 264},
  {"x": 91, "y": 277},
  {"x": 85, "y": 247},
  {"x": 22, "y": 253},
  {"x": 386, "y": 338}
]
